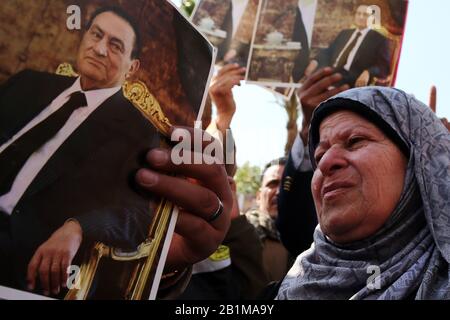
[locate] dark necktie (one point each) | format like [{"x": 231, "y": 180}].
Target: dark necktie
[
  {"x": 344, "y": 56},
  {"x": 16, "y": 154}
]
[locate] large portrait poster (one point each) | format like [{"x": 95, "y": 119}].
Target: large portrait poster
[
  {"x": 229, "y": 25},
  {"x": 359, "y": 39},
  {"x": 281, "y": 42},
  {"x": 280, "y": 47},
  {"x": 86, "y": 88}
]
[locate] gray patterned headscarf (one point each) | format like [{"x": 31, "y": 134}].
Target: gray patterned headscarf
[{"x": 412, "y": 250}]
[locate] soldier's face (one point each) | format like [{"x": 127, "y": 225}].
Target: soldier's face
[
  {"x": 104, "y": 58},
  {"x": 267, "y": 196}
]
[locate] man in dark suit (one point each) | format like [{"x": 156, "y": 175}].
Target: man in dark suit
[
  {"x": 66, "y": 175},
  {"x": 358, "y": 54}
]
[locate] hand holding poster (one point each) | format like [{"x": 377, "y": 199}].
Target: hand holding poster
[{"x": 285, "y": 41}]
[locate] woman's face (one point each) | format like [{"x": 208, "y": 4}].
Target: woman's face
[{"x": 359, "y": 177}]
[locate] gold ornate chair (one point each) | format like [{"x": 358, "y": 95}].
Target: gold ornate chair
[{"x": 394, "y": 50}]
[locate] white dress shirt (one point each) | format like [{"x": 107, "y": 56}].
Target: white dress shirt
[
  {"x": 352, "y": 54},
  {"x": 39, "y": 158}
]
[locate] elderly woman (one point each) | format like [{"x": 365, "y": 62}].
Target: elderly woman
[
  {"x": 381, "y": 187},
  {"x": 382, "y": 192}
]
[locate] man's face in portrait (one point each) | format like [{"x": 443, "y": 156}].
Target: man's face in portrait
[
  {"x": 105, "y": 55},
  {"x": 361, "y": 17}
]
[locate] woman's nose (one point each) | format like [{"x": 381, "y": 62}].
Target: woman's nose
[{"x": 332, "y": 160}]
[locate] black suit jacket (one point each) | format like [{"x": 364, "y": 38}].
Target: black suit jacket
[
  {"x": 373, "y": 55},
  {"x": 88, "y": 178},
  {"x": 227, "y": 26},
  {"x": 300, "y": 35}
]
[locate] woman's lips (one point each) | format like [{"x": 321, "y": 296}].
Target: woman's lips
[{"x": 334, "y": 189}]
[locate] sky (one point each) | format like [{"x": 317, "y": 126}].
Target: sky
[{"x": 259, "y": 125}]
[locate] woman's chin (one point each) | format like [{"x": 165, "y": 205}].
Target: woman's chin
[{"x": 340, "y": 231}]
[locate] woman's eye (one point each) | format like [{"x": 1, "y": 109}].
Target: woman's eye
[
  {"x": 318, "y": 157},
  {"x": 355, "y": 140}
]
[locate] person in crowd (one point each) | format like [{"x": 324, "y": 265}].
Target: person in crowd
[
  {"x": 297, "y": 219},
  {"x": 277, "y": 259},
  {"x": 380, "y": 186}
]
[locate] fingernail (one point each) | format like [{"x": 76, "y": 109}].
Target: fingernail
[
  {"x": 159, "y": 157},
  {"x": 148, "y": 178}
]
